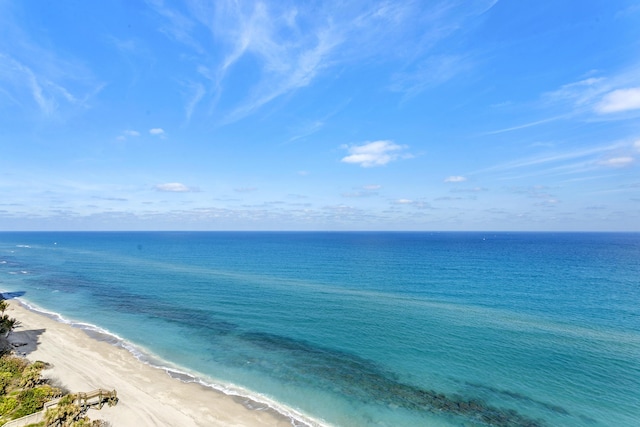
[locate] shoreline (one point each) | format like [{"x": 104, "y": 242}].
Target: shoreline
[{"x": 149, "y": 394}]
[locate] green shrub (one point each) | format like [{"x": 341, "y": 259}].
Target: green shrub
[
  {"x": 5, "y": 381},
  {"x": 23, "y": 392},
  {"x": 12, "y": 364},
  {"x": 7, "y": 405},
  {"x": 65, "y": 413},
  {"x": 31, "y": 375},
  {"x": 33, "y": 400}
]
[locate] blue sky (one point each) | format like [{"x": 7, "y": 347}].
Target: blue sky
[{"x": 320, "y": 115}]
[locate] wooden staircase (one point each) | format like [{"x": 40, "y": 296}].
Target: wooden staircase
[{"x": 96, "y": 398}]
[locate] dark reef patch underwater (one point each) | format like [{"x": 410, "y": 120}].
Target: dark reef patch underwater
[{"x": 361, "y": 379}]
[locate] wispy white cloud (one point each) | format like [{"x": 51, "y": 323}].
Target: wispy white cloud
[
  {"x": 20, "y": 75},
  {"x": 291, "y": 44},
  {"x": 419, "y": 204},
  {"x": 601, "y": 95},
  {"x": 618, "y": 162},
  {"x": 403, "y": 202},
  {"x": 436, "y": 23},
  {"x": 124, "y": 46},
  {"x": 580, "y": 93},
  {"x": 177, "y": 26},
  {"x": 455, "y": 178},
  {"x": 310, "y": 127},
  {"x": 290, "y": 72},
  {"x": 430, "y": 72},
  {"x": 619, "y": 100},
  {"x": 174, "y": 187},
  {"x": 198, "y": 92},
  {"x": 157, "y": 131},
  {"x": 376, "y": 153},
  {"x": 590, "y": 98},
  {"x": 527, "y": 125},
  {"x": 54, "y": 84},
  {"x": 307, "y": 129},
  {"x": 571, "y": 99},
  {"x": 289, "y": 57},
  {"x": 127, "y": 134},
  {"x": 555, "y": 157},
  {"x": 572, "y": 162}
]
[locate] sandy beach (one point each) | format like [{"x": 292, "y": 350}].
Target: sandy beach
[{"x": 147, "y": 396}]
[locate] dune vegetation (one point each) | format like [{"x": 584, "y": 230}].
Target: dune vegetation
[{"x": 24, "y": 391}]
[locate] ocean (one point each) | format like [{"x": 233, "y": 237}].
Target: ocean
[{"x": 363, "y": 328}]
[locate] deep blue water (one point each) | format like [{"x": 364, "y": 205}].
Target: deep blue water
[{"x": 364, "y": 329}]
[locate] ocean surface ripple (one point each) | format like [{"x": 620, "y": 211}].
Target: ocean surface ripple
[{"x": 362, "y": 329}]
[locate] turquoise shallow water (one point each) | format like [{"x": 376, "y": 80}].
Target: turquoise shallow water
[{"x": 364, "y": 329}]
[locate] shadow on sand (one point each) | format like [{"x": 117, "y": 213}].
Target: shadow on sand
[{"x": 24, "y": 343}]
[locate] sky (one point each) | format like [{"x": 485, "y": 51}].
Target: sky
[{"x": 426, "y": 115}]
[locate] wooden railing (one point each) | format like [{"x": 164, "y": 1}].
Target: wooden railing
[
  {"x": 84, "y": 400},
  {"x": 95, "y": 397}
]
